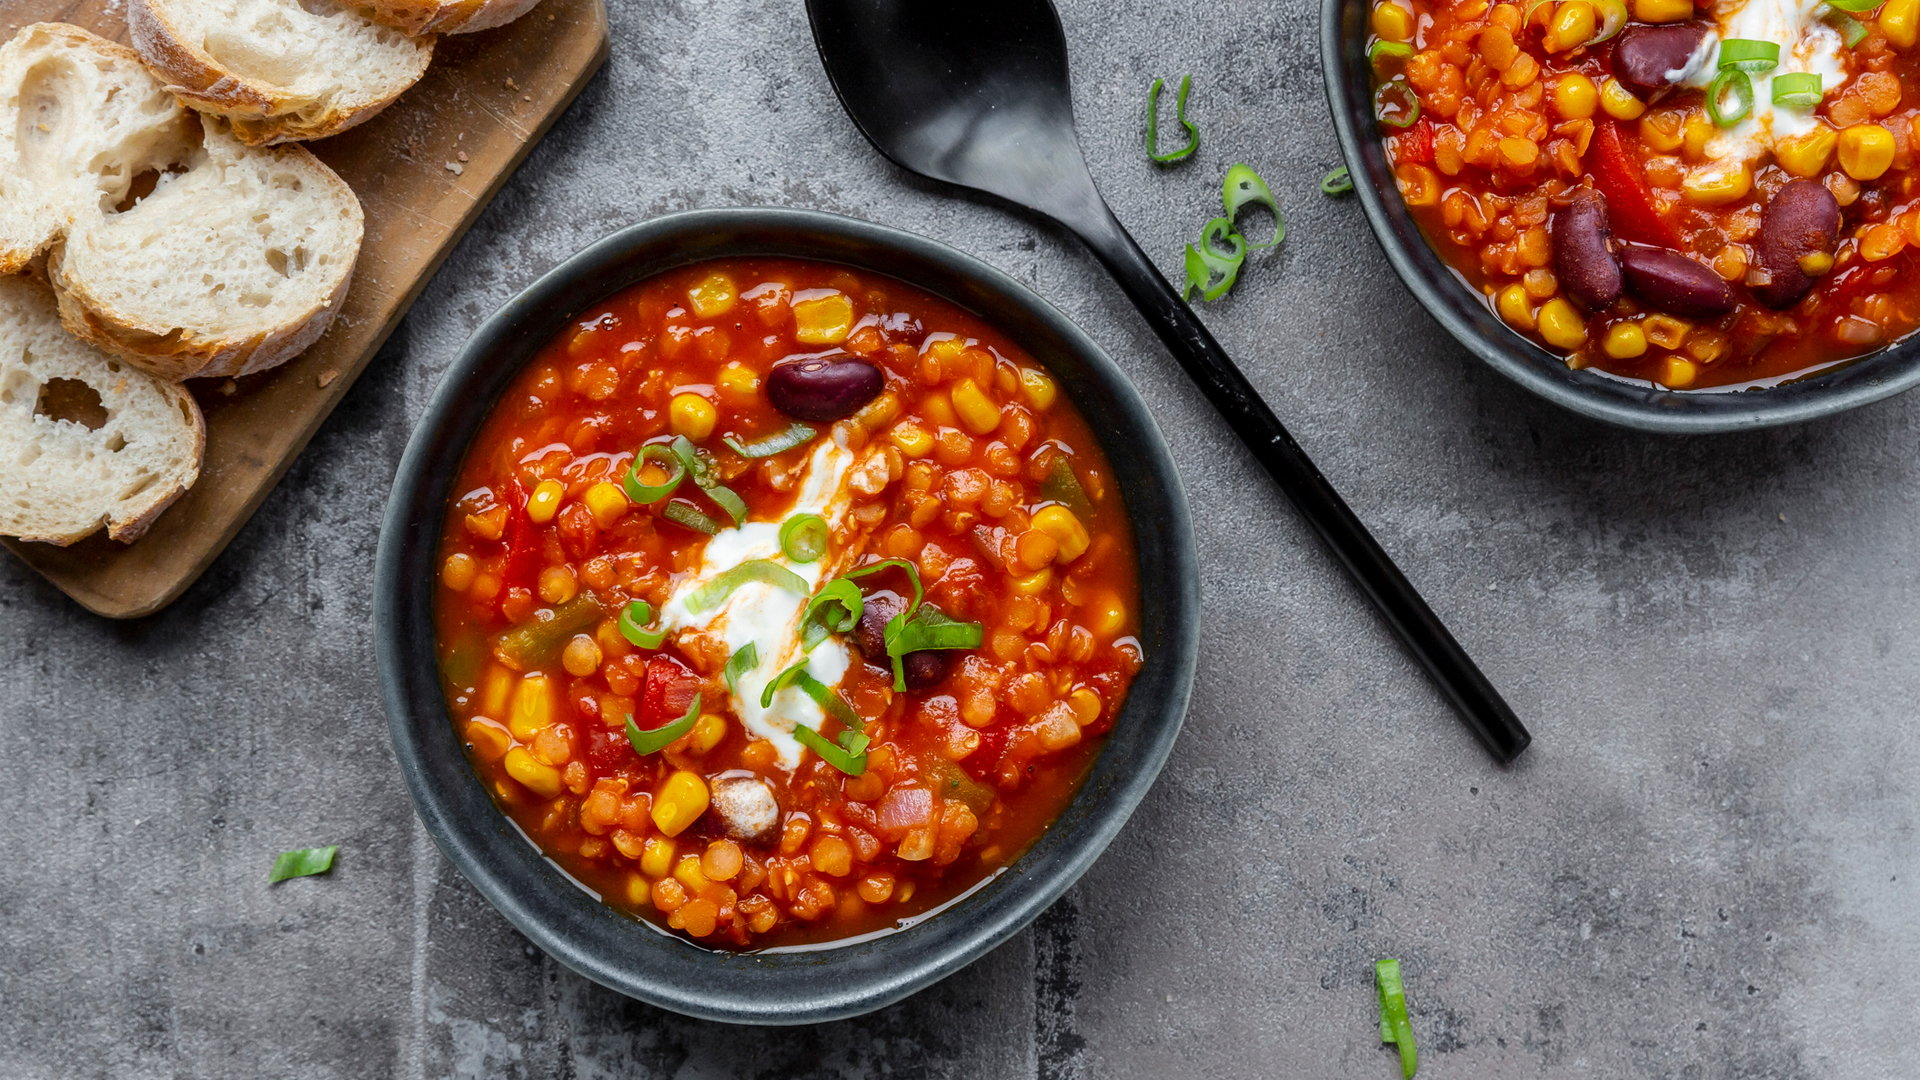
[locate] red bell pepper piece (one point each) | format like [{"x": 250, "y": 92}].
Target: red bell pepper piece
[
  {"x": 670, "y": 688},
  {"x": 522, "y": 568},
  {"x": 1415, "y": 146},
  {"x": 1617, "y": 176}
]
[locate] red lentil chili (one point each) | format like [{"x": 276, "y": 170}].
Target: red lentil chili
[
  {"x": 1697, "y": 196},
  {"x": 839, "y": 649}
]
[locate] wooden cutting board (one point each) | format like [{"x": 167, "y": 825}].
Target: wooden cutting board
[{"x": 423, "y": 169}]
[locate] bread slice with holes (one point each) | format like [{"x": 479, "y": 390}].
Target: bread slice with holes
[
  {"x": 446, "y": 16},
  {"x": 167, "y": 240},
  {"x": 278, "y": 70},
  {"x": 85, "y": 439}
]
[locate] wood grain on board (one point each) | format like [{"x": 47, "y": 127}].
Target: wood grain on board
[{"x": 423, "y": 169}]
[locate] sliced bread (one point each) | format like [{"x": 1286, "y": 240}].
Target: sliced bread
[
  {"x": 446, "y": 16},
  {"x": 85, "y": 440},
  {"x": 167, "y": 241},
  {"x": 277, "y": 70}
]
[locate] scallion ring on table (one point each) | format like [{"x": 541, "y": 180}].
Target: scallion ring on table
[
  {"x": 1337, "y": 182},
  {"x": 744, "y": 659},
  {"x": 1746, "y": 54},
  {"x": 1180, "y": 114},
  {"x": 803, "y": 537},
  {"x": 1729, "y": 97},
  {"x": 1396, "y": 105},
  {"x": 1243, "y": 188},
  {"x": 1210, "y": 270},
  {"x": 305, "y": 862},
  {"x": 777, "y": 443},
  {"x": 633, "y": 625},
  {"x": 765, "y": 571},
  {"x": 1797, "y": 89},
  {"x": 647, "y": 742},
  {"x": 1395, "y": 1027},
  {"x": 690, "y": 516},
  {"x": 905, "y": 567},
  {"x": 639, "y": 491},
  {"x": 1614, "y": 17},
  {"x": 849, "y": 755}
]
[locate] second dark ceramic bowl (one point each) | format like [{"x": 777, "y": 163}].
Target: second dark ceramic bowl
[
  {"x": 631, "y": 956},
  {"x": 1343, "y": 64}
]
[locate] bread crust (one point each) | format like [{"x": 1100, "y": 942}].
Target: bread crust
[
  {"x": 258, "y": 115},
  {"x": 446, "y": 16}
]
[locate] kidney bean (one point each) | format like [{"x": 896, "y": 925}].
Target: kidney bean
[
  {"x": 747, "y": 807},
  {"x": 923, "y": 669},
  {"x": 1582, "y": 256},
  {"x": 1801, "y": 219},
  {"x": 1675, "y": 284},
  {"x": 823, "y": 388},
  {"x": 1648, "y": 59}
]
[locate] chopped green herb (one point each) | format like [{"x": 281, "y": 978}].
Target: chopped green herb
[
  {"x": 303, "y": 863},
  {"x": 1396, "y": 105},
  {"x": 1854, "y": 5},
  {"x": 1243, "y": 188},
  {"x": 804, "y": 537},
  {"x": 701, "y": 470},
  {"x": 1852, "y": 30},
  {"x": 926, "y": 627},
  {"x": 1797, "y": 89},
  {"x": 647, "y": 742},
  {"x": 1746, "y": 54},
  {"x": 835, "y": 609},
  {"x": 741, "y": 662},
  {"x": 1180, "y": 113},
  {"x": 1384, "y": 53},
  {"x": 1394, "y": 1026},
  {"x": 643, "y": 493},
  {"x": 685, "y": 513},
  {"x": 1615, "y": 18},
  {"x": 633, "y": 625},
  {"x": 1207, "y": 263},
  {"x": 913, "y": 575},
  {"x": 767, "y": 572},
  {"x": 850, "y": 756},
  {"x": 777, "y": 443},
  {"x": 1337, "y": 182},
  {"x": 1729, "y": 97}
]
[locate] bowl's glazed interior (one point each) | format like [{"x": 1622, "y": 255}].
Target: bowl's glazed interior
[
  {"x": 1465, "y": 315},
  {"x": 839, "y": 979}
]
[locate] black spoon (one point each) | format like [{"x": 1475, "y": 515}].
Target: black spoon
[{"x": 975, "y": 94}]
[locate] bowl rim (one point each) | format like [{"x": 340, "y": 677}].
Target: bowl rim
[
  {"x": 662, "y": 969},
  {"x": 1606, "y": 398}
]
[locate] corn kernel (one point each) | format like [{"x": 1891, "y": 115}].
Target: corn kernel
[
  {"x": 712, "y": 296},
  {"x": 1806, "y": 155},
  {"x": 1676, "y": 373},
  {"x": 1624, "y": 341},
  {"x": 542, "y": 780},
  {"x": 976, "y": 410},
  {"x": 1418, "y": 185},
  {"x": 822, "y": 317},
  {"x": 706, "y": 734},
  {"x": 691, "y": 415},
  {"x": 606, "y": 501},
  {"x": 1033, "y": 584},
  {"x": 1664, "y": 130},
  {"x": 738, "y": 382},
  {"x": 1661, "y": 11},
  {"x": 1061, "y": 524},
  {"x": 1571, "y": 27},
  {"x": 1717, "y": 185},
  {"x": 496, "y": 690},
  {"x": 1866, "y": 151},
  {"x": 679, "y": 803},
  {"x": 1515, "y": 307},
  {"x": 1561, "y": 325},
  {"x": 1039, "y": 387},
  {"x": 488, "y": 739},
  {"x": 458, "y": 572},
  {"x": 1817, "y": 263},
  {"x": 657, "y": 858},
  {"x": 639, "y": 889},
  {"x": 1574, "y": 96},
  {"x": 1619, "y": 102},
  {"x": 1665, "y": 330},
  {"x": 912, "y": 439},
  {"x": 1899, "y": 20},
  {"x": 532, "y": 708},
  {"x": 1106, "y": 615},
  {"x": 686, "y": 870},
  {"x": 1694, "y": 135},
  {"x": 545, "y": 501},
  {"x": 1392, "y": 22},
  {"x": 1085, "y": 703}
]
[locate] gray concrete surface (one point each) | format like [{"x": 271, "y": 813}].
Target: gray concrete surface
[{"x": 1706, "y": 867}]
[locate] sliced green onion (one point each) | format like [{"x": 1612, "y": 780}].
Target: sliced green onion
[
  {"x": 1797, "y": 89},
  {"x": 829, "y": 701},
  {"x": 702, "y": 472},
  {"x": 644, "y": 493},
  {"x": 303, "y": 863},
  {"x": 1394, "y": 1026},
  {"x": 1207, "y": 263},
  {"x": 1337, "y": 182},
  {"x": 741, "y": 662},
  {"x": 1180, "y": 113},
  {"x": 1746, "y": 54},
  {"x": 1615, "y": 12},
  {"x": 1526, "y": 15},
  {"x": 1396, "y": 105},
  {"x": 1852, "y": 30},
  {"x": 689, "y": 515},
  {"x": 633, "y": 625},
  {"x": 1854, "y": 5},
  {"x": 1062, "y": 485},
  {"x": 835, "y": 609},
  {"x": 1244, "y": 188},
  {"x": 766, "y": 571},
  {"x": 1385, "y": 52},
  {"x": 1729, "y": 97},
  {"x": 647, "y": 742},
  {"x": 777, "y": 443},
  {"x": 902, "y": 565},
  {"x": 780, "y": 681},
  {"x": 849, "y": 756},
  {"x": 804, "y": 537},
  {"x": 926, "y": 627}
]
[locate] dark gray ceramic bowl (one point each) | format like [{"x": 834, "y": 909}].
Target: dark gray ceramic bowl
[
  {"x": 630, "y": 956},
  {"x": 1343, "y": 64}
]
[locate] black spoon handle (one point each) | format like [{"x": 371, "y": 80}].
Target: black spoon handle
[{"x": 1479, "y": 704}]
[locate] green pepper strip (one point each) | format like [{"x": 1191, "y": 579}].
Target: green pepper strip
[
  {"x": 1206, "y": 262},
  {"x": 739, "y": 664},
  {"x": 849, "y": 757},
  {"x": 1062, "y": 485},
  {"x": 647, "y": 742},
  {"x": 1244, "y": 188},
  {"x": 633, "y": 625},
  {"x": 304, "y": 863},
  {"x": 804, "y": 537},
  {"x": 702, "y": 472},
  {"x": 534, "y": 642},
  {"x": 689, "y": 515},
  {"x": 765, "y": 571},
  {"x": 1180, "y": 113},
  {"x": 1337, "y": 182},
  {"x": 777, "y": 443},
  {"x": 643, "y": 493},
  {"x": 821, "y": 619},
  {"x": 1394, "y": 1027}
]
